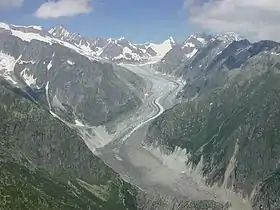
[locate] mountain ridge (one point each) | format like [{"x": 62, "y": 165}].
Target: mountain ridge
[{"x": 118, "y": 50}]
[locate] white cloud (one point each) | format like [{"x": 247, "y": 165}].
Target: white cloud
[
  {"x": 10, "y": 3},
  {"x": 256, "y": 19},
  {"x": 63, "y": 8}
]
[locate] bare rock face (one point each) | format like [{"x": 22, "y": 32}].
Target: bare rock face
[
  {"x": 89, "y": 89},
  {"x": 231, "y": 130},
  {"x": 118, "y": 50}
]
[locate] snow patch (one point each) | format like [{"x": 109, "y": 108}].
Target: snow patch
[
  {"x": 47, "y": 95},
  {"x": 99, "y": 51},
  {"x": 4, "y": 26},
  {"x": 86, "y": 48},
  {"x": 39, "y": 28},
  {"x": 188, "y": 44},
  {"x": 26, "y": 62},
  {"x": 118, "y": 158},
  {"x": 163, "y": 48},
  {"x": 29, "y": 78},
  {"x": 203, "y": 41},
  {"x": 79, "y": 123},
  {"x": 127, "y": 50},
  {"x": 51, "y": 30},
  {"x": 274, "y": 53},
  {"x": 229, "y": 36},
  {"x": 128, "y": 54},
  {"x": 49, "y": 66},
  {"x": 28, "y": 37},
  {"x": 132, "y": 46},
  {"x": 71, "y": 63},
  {"x": 7, "y": 66},
  {"x": 190, "y": 55}
]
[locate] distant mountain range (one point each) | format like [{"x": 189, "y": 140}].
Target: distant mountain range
[
  {"x": 117, "y": 50},
  {"x": 183, "y": 53}
]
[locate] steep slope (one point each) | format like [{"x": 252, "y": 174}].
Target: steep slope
[
  {"x": 194, "y": 53},
  {"x": 208, "y": 70},
  {"x": 163, "y": 48},
  {"x": 46, "y": 165},
  {"x": 182, "y": 55},
  {"x": 231, "y": 134},
  {"x": 87, "y": 89},
  {"x": 29, "y": 33},
  {"x": 173, "y": 61}
]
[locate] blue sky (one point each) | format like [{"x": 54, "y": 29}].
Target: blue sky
[{"x": 138, "y": 20}]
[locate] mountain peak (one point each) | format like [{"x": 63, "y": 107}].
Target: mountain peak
[
  {"x": 195, "y": 40},
  {"x": 164, "y": 47},
  {"x": 171, "y": 41},
  {"x": 121, "y": 38},
  {"x": 199, "y": 38},
  {"x": 61, "y": 30},
  {"x": 229, "y": 36},
  {"x": 64, "y": 34}
]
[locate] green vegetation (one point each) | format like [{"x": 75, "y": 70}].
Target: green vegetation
[
  {"x": 243, "y": 114},
  {"x": 46, "y": 165}
]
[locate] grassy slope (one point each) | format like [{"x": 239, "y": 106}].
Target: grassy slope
[{"x": 43, "y": 164}]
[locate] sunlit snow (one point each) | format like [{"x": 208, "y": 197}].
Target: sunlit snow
[
  {"x": 29, "y": 36},
  {"x": 71, "y": 63},
  {"x": 163, "y": 48},
  {"x": 5, "y": 26},
  {"x": 190, "y": 55},
  {"x": 49, "y": 65},
  {"x": 7, "y": 66},
  {"x": 29, "y": 78},
  {"x": 188, "y": 44}
]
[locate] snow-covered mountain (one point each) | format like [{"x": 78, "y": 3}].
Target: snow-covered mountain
[
  {"x": 181, "y": 53},
  {"x": 163, "y": 48},
  {"x": 65, "y": 77},
  {"x": 229, "y": 37},
  {"x": 198, "y": 44},
  {"x": 31, "y": 33},
  {"x": 119, "y": 50},
  {"x": 158, "y": 51}
]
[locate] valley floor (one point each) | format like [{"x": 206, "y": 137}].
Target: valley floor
[{"x": 147, "y": 168}]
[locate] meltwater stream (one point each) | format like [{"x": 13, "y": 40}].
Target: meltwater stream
[
  {"x": 148, "y": 168},
  {"x": 151, "y": 170}
]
